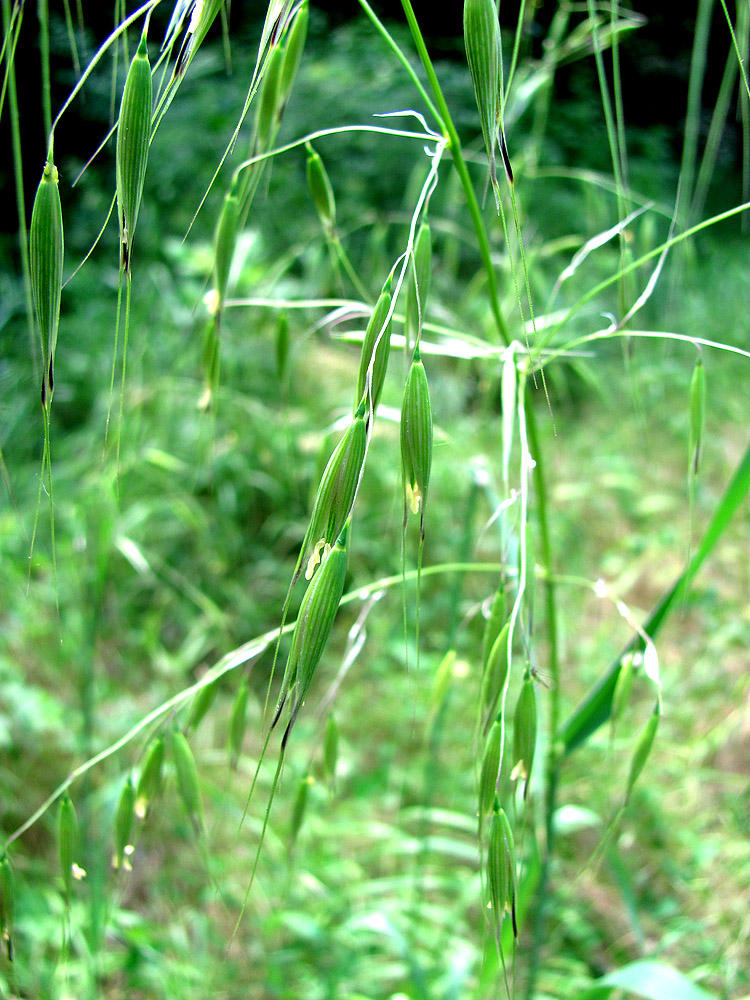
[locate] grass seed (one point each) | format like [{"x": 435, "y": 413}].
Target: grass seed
[
  {"x": 201, "y": 704},
  {"x": 187, "y": 779},
  {"x": 418, "y": 287},
  {"x": 149, "y": 782},
  {"x": 133, "y": 135},
  {"x": 67, "y": 841},
  {"x": 336, "y": 492},
  {"x": 642, "y": 750},
  {"x": 697, "y": 413},
  {"x": 46, "y": 249},
  {"x": 321, "y": 191},
  {"x": 376, "y": 349},
  {"x": 7, "y": 904},
  {"x": 524, "y": 732},
  {"x": 293, "y": 49},
  {"x": 314, "y": 623},
  {"x": 482, "y": 42},
  {"x": 416, "y": 439},
  {"x": 123, "y": 822}
]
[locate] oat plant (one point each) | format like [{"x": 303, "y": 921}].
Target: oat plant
[{"x": 482, "y": 587}]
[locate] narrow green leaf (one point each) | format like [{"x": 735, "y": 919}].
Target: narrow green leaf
[
  {"x": 654, "y": 981},
  {"x": 596, "y": 707}
]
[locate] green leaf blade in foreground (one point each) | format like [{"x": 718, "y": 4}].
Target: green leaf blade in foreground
[
  {"x": 596, "y": 707},
  {"x": 652, "y": 981}
]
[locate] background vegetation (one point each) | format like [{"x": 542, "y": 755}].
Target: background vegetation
[{"x": 371, "y": 880}]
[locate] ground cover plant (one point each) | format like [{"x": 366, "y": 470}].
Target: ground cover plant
[{"x": 374, "y": 577}]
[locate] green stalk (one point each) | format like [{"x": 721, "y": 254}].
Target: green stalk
[
  {"x": 15, "y": 132},
  {"x": 539, "y": 478},
  {"x": 695, "y": 86},
  {"x": 454, "y": 145},
  {"x": 43, "y": 15}
]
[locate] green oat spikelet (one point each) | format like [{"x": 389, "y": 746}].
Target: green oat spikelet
[
  {"x": 46, "y": 250},
  {"x": 68, "y": 841},
  {"x": 268, "y": 103},
  {"x": 442, "y": 682},
  {"x": 187, "y": 779},
  {"x": 7, "y": 904},
  {"x": 697, "y": 415},
  {"x": 133, "y": 136},
  {"x": 501, "y": 871},
  {"x": 225, "y": 239},
  {"x": 493, "y": 625},
  {"x": 282, "y": 347},
  {"x": 150, "y": 779},
  {"x": 490, "y": 778},
  {"x": 418, "y": 287},
  {"x": 623, "y": 687},
  {"x": 642, "y": 750},
  {"x": 482, "y": 42},
  {"x": 314, "y": 623},
  {"x": 123, "y": 823},
  {"x": 336, "y": 492},
  {"x": 524, "y": 732},
  {"x": 299, "y": 809},
  {"x": 321, "y": 191},
  {"x": 416, "y": 440},
  {"x": 293, "y": 49},
  {"x": 202, "y": 702},
  {"x": 376, "y": 349},
  {"x": 495, "y": 671}
]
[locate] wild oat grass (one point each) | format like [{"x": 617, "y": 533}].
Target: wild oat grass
[{"x": 489, "y": 308}]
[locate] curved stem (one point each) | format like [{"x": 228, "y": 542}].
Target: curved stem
[
  {"x": 552, "y": 769},
  {"x": 454, "y": 144}
]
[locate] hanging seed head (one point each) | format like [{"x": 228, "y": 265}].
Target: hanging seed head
[
  {"x": 133, "y": 135},
  {"x": 336, "y": 492},
  {"x": 418, "y": 287},
  {"x": 493, "y": 625},
  {"x": 68, "y": 843},
  {"x": 331, "y": 749},
  {"x": 46, "y": 266},
  {"x": 282, "y": 346},
  {"x": 623, "y": 687},
  {"x": 321, "y": 191},
  {"x": 314, "y": 623},
  {"x": 495, "y": 670},
  {"x": 642, "y": 750},
  {"x": 187, "y": 779},
  {"x": 225, "y": 240},
  {"x": 697, "y": 414},
  {"x": 501, "y": 871},
  {"x": 416, "y": 439},
  {"x": 149, "y": 782},
  {"x": 482, "y": 41},
  {"x": 489, "y": 779},
  {"x": 442, "y": 682},
  {"x": 300, "y": 806},
  {"x": 123, "y": 822},
  {"x": 7, "y": 904},
  {"x": 524, "y": 732},
  {"x": 265, "y": 122},
  {"x": 376, "y": 349},
  {"x": 237, "y": 724},
  {"x": 293, "y": 49},
  {"x": 202, "y": 701}
]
